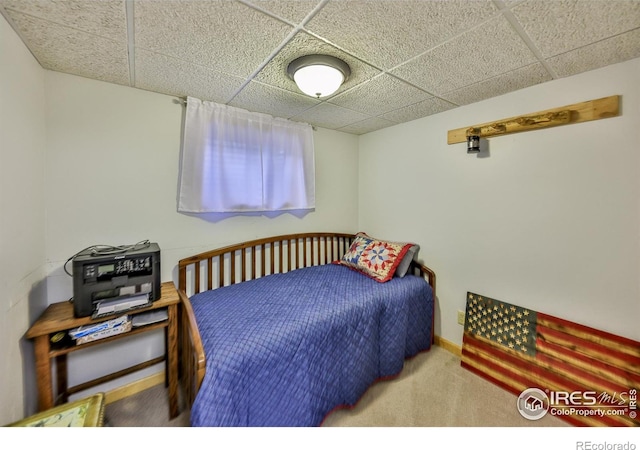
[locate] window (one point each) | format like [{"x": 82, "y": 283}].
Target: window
[{"x": 237, "y": 161}]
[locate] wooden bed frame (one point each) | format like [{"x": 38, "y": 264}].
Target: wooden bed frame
[{"x": 247, "y": 261}]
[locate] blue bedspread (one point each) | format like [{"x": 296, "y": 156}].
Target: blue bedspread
[{"x": 286, "y": 349}]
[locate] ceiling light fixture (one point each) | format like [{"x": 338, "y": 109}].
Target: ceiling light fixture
[{"x": 318, "y": 75}]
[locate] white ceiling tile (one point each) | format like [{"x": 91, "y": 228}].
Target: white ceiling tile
[
  {"x": 223, "y": 35},
  {"x": 379, "y": 95},
  {"x": 330, "y": 116},
  {"x": 409, "y": 58},
  {"x": 171, "y": 76},
  {"x": 500, "y": 84},
  {"x": 512, "y": 3},
  {"x": 414, "y": 111},
  {"x": 388, "y": 32},
  {"x": 367, "y": 126},
  {"x": 104, "y": 18},
  {"x": 275, "y": 72},
  {"x": 291, "y": 10},
  {"x": 67, "y": 50},
  {"x": 609, "y": 51},
  {"x": 477, "y": 55},
  {"x": 262, "y": 98},
  {"x": 562, "y": 25}
]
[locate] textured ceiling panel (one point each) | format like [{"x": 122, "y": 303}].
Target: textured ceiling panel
[
  {"x": 269, "y": 100},
  {"x": 223, "y": 35},
  {"x": 562, "y": 25},
  {"x": 159, "y": 73},
  {"x": 380, "y": 95},
  {"x": 608, "y": 51},
  {"x": 64, "y": 49},
  {"x": 414, "y": 111},
  {"x": 105, "y": 18},
  {"x": 474, "y": 56},
  {"x": 501, "y": 84},
  {"x": 330, "y": 116},
  {"x": 388, "y": 32},
  {"x": 408, "y": 58},
  {"x": 294, "y": 11},
  {"x": 375, "y": 123}
]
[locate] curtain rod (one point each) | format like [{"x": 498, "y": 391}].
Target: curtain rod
[
  {"x": 183, "y": 102},
  {"x": 180, "y": 101}
]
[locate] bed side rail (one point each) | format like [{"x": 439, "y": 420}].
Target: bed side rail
[{"x": 192, "y": 357}]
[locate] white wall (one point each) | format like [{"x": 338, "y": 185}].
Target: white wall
[
  {"x": 112, "y": 165},
  {"x": 550, "y": 220},
  {"x": 112, "y": 174},
  {"x": 22, "y": 247}
]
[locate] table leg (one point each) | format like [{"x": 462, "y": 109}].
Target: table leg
[
  {"x": 172, "y": 357},
  {"x": 61, "y": 379},
  {"x": 43, "y": 373}
]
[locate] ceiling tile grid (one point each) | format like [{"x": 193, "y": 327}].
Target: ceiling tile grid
[{"x": 408, "y": 58}]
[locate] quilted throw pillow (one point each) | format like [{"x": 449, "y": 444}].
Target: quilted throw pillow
[{"x": 373, "y": 257}]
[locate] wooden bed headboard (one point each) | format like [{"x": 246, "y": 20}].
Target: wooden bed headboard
[
  {"x": 247, "y": 261},
  {"x": 258, "y": 258}
]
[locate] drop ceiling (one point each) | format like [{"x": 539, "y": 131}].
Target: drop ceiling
[{"x": 408, "y": 59}]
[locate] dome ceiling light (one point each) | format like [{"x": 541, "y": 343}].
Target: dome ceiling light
[{"x": 318, "y": 75}]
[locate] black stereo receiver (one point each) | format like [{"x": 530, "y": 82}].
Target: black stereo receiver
[{"x": 125, "y": 277}]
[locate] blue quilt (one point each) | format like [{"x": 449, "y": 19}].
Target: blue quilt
[{"x": 286, "y": 349}]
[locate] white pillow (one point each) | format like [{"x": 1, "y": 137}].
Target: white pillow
[{"x": 411, "y": 255}]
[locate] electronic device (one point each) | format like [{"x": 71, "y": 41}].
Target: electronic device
[{"x": 115, "y": 279}]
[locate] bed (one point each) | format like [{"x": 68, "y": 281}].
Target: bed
[{"x": 281, "y": 331}]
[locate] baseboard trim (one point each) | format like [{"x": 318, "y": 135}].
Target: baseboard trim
[
  {"x": 448, "y": 345},
  {"x": 134, "y": 387}
]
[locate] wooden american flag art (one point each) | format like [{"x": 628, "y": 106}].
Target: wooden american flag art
[{"x": 590, "y": 377}]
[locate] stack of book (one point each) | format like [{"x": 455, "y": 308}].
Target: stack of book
[{"x": 93, "y": 332}]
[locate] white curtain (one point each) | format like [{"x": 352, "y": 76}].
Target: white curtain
[{"x": 234, "y": 160}]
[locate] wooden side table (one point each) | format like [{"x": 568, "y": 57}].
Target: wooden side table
[{"x": 59, "y": 317}]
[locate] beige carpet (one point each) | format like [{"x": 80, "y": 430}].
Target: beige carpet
[{"x": 432, "y": 391}]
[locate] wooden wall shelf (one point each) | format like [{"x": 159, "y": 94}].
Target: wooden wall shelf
[{"x": 601, "y": 108}]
